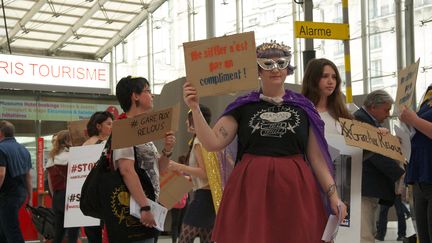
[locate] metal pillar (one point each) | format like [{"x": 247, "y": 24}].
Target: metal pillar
[
  {"x": 409, "y": 39},
  {"x": 239, "y": 16},
  {"x": 399, "y": 35},
  {"x": 150, "y": 57},
  {"x": 297, "y": 77},
  {"x": 210, "y": 18},
  {"x": 365, "y": 45},
  {"x": 191, "y": 20},
  {"x": 347, "y": 54},
  {"x": 309, "y": 52}
]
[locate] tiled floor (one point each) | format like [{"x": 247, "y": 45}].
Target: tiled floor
[
  {"x": 391, "y": 233},
  {"x": 390, "y": 237}
]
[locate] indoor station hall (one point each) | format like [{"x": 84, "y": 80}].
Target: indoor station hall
[{"x": 136, "y": 87}]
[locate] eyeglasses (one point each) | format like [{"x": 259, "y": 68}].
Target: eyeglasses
[{"x": 270, "y": 64}]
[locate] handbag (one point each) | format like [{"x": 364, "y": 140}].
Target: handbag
[
  {"x": 114, "y": 197},
  {"x": 43, "y": 219},
  {"x": 90, "y": 203}
]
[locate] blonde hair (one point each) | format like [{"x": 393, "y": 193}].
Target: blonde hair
[{"x": 62, "y": 142}]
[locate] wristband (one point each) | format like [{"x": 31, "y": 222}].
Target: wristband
[{"x": 145, "y": 208}]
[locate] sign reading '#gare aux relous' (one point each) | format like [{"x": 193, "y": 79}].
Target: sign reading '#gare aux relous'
[{"x": 28, "y": 72}]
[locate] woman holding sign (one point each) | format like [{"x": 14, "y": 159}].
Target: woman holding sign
[
  {"x": 98, "y": 129},
  {"x": 419, "y": 171},
  {"x": 139, "y": 165},
  {"x": 200, "y": 214},
  {"x": 57, "y": 175},
  {"x": 321, "y": 85},
  {"x": 282, "y": 165}
]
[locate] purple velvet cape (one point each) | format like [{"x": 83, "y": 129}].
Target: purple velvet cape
[{"x": 298, "y": 100}]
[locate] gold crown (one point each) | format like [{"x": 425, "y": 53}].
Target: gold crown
[{"x": 273, "y": 45}]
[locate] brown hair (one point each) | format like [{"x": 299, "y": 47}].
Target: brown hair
[
  {"x": 61, "y": 142},
  {"x": 310, "y": 88}
]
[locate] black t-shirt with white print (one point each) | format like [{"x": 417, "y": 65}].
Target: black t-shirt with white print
[{"x": 271, "y": 130}]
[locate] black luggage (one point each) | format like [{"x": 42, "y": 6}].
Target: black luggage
[{"x": 43, "y": 220}]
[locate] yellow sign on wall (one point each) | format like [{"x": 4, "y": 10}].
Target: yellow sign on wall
[{"x": 317, "y": 30}]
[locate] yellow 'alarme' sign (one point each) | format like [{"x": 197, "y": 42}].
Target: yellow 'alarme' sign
[{"x": 316, "y": 30}]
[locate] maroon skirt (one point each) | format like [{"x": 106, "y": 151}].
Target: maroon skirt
[{"x": 271, "y": 200}]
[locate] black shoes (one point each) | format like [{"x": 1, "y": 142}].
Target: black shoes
[
  {"x": 380, "y": 238},
  {"x": 401, "y": 238}
]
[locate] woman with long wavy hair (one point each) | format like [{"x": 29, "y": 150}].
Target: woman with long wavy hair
[{"x": 57, "y": 175}]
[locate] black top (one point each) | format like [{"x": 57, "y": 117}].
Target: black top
[{"x": 272, "y": 130}]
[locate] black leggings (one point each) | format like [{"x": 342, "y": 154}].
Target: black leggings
[
  {"x": 58, "y": 207},
  {"x": 423, "y": 211}
]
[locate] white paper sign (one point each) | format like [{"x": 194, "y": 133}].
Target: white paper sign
[
  {"x": 332, "y": 226},
  {"x": 81, "y": 161},
  {"x": 159, "y": 212},
  {"x": 348, "y": 181},
  {"x": 403, "y": 133}
]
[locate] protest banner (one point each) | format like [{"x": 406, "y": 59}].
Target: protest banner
[
  {"x": 173, "y": 186},
  {"x": 40, "y": 165},
  {"x": 407, "y": 79},
  {"x": 365, "y": 136},
  {"x": 222, "y": 65},
  {"x": 82, "y": 159},
  {"x": 78, "y": 131},
  {"x": 348, "y": 173},
  {"x": 145, "y": 127}
]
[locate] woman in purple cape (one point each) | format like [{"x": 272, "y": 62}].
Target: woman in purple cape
[{"x": 282, "y": 188}]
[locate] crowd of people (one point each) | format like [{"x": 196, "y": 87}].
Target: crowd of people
[{"x": 282, "y": 188}]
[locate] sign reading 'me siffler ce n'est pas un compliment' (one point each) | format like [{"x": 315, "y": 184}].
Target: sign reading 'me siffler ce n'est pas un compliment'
[{"x": 52, "y": 74}]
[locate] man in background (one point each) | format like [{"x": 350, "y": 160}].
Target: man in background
[
  {"x": 379, "y": 172},
  {"x": 15, "y": 183}
]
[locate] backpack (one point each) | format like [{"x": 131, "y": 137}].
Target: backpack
[
  {"x": 90, "y": 203},
  {"x": 43, "y": 220}
]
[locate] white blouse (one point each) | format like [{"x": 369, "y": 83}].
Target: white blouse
[{"x": 331, "y": 125}]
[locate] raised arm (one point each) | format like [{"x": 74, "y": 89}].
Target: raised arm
[
  {"x": 167, "y": 150},
  {"x": 319, "y": 167},
  {"x": 199, "y": 171},
  {"x": 410, "y": 117},
  {"x": 212, "y": 139}
]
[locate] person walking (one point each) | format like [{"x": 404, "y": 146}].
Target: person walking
[
  {"x": 322, "y": 85},
  {"x": 15, "y": 183},
  {"x": 135, "y": 98},
  {"x": 57, "y": 165},
  {"x": 200, "y": 214},
  {"x": 99, "y": 128},
  {"x": 419, "y": 171},
  {"x": 379, "y": 173},
  {"x": 282, "y": 164}
]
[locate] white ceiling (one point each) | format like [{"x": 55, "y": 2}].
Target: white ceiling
[{"x": 70, "y": 28}]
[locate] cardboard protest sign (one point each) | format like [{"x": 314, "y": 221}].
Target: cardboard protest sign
[
  {"x": 365, "y": 136},
  {"x": 173, "y": 186},
  {"x": 145, "y": 127},
  {"x": 222, "y": 65},
  {"x": 407, "y": 79},
  {"x": 78, "y": 131},
  {"x": 81, "y": 160}
]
